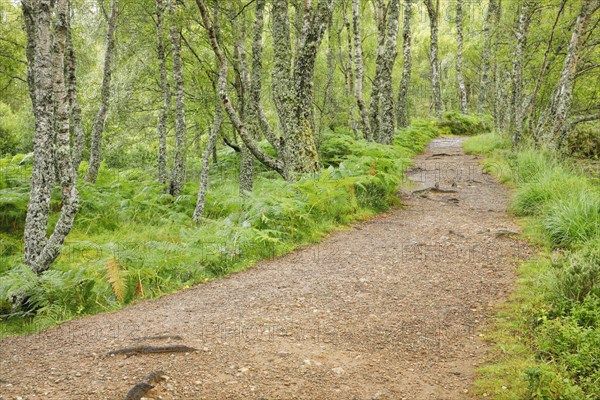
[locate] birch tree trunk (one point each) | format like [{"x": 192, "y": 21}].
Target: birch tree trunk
[
  {"x": 282, "y": 63},
  {"x": 98, "y": 126},
  {"x": 166, "y": 96},
  {"x": 74, "y": 108},
  {"x": 553, "y": 126},
  {"x": 402, "y": 104},
  {"x": 485, "y": 58},
  {"x": 51, "y": 131},
  {"x": 462, "y": 91},
  {"x": 360, "y": 76},
  {"x": 517, "y": 75},
  {"x": 387, "y": 120},
  {"x": 375, "y": 101},
  {"x": 179, "y": 157},
  {"x": 348, "y": 73},
  {"x": 300, "y": 151},
  {"x": 210, "y": 147},
  {"x": 270, "y": 162},
  {"x": 433, "y": 11}
]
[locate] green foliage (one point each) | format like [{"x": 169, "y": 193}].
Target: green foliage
[
  {"x": 553, "y": 351},
  {"x": 584, "y": 141},
  {"x": 132, "y": 241},
  {"x": 460, "y": 124}
]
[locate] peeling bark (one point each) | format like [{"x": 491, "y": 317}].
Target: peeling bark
[
  {"x": 402, "y": 104},
  {"x": 462, "y": 91},
  {"x": 98, "y": 126}
]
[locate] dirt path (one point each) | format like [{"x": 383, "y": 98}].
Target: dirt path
[{"x": 388, "y": 309}]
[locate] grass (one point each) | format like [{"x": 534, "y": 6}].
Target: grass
[
  {"x": 547, "y": 335},
  {"x": 131, "y": 241}
]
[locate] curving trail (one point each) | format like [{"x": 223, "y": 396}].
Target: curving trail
[{"x": 387, "y": 309}]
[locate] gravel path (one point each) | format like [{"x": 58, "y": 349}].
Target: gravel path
[{"x": 386, "y": 309}]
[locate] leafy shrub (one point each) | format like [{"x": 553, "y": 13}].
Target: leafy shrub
[
  {"x": 460, "y": 124},
  {"x": 584, "y": 141}
]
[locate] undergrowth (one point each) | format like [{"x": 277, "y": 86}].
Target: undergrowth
[
  {"x": 547, "y": 336},
  {"x": 132, "y": 241}
]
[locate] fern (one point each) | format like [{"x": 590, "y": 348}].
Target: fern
[{"x": 115, "y": 277}]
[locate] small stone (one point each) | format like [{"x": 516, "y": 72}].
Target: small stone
[{"x": 338, "y": 370}]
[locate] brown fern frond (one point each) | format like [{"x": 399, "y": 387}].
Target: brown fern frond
[{"x": 116, "y": 278}]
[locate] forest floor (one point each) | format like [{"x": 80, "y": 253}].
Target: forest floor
[{"x": 393, "y": 308}]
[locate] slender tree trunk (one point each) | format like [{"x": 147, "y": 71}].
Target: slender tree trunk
[
  {"x": 98, "y": 126},
  {"x": 52, "y": 131},
  {"x": 433, "y": 10},
  {"x": 179, "y": 158},
  {"x": 517, "y": 75},
  {"x": 462, "y": 91},
  {"x": 208, "y": 151},
  {"x": 166, "y": 96},
  {"x": 553, "y": 127},
  {"x": 359, "y": 67},
  {"x": 264, "y": 158},
  {"x": 402, "y": 104},
  {"x": 348, "y": 73},
  {"x": 249, "y": 117},
  {"x": 543, "y": 70},
  {"x": 74, "y": 108},
  {"x": 375, "y": 101},
  {"x": 485, "y": 58},
  {"x": 387, "y": 120}
]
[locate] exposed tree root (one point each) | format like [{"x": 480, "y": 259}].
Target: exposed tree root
[
  {"x": 128, "y": 351},
  {"x": 144, "y": 386}
]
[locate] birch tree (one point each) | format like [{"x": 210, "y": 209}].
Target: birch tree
[
  {"x": 462, "y": 91},
  {"x": 402, "y": 103},
  {"x": 359, "y": 68},
  {"x": 484, "y": 71},
  {"x": 51, "y": 115},
  {"x": 517, "y": 112},
  {"x": 98, "y": 126},
  {"x": 166, "y": 95},
  {"x": 433, "y": 11},
  {"x": 179, "y": 157},
  {"x": 386, "y": 92},
  {"x": 554, "y": 126}
]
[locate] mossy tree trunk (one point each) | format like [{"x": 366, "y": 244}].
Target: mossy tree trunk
[
  {"x": 52, "y": 131},
  {"x": 360, "y": 75},
  {"x": 166, "y": 95},
  {"x": 433, "y": 11},
  {"x": 402, "y": 115},
  {"x": 462, "y": 90}
]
